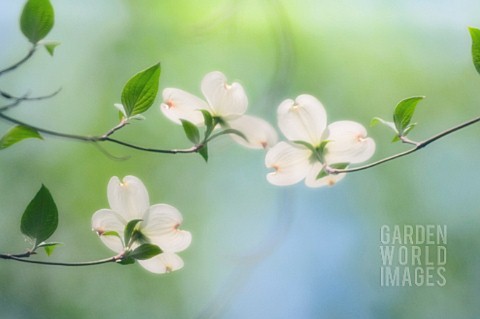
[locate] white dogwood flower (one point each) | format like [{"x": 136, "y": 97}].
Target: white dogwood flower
[
  {"x": 226, "y": 102},
  {"x": 158, "y": 224},
  {"x": 313, "y": 146}
]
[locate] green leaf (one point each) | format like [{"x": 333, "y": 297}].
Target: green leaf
[
  {"x": 49, "y": 247},
  {"x": 339, "y": 165},
  {"x": 129, "y": 230},
  {"x": 377, "y": 120},
  {"x": 475, "y": 34},
  {"x": 207, "y": 118},
  {"x": 37, "y": 20},
  {"x": 111, "y": 233},
  {"x": 403, "y": 113},
  {"x": 40, "y": 219},
  {"x": 16, "y": 134},
  {"x": 203, "y": 151},
  {"x": 141, "y": 90},
  {"x": 191, "y": 131},
  {"x": 307, "y": 145},
  {"x": 50, "y": 47},
  {"x": 210, "y": 123},
  {"x": 145, "y": 251},
  {"x": 322, "y": 174},
  {"x": 228, "y": 131},
  {"x": 127, "y": 261}
]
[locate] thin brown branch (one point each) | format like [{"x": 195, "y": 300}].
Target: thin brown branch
[
  {"x": 23, "y": 60},
  {"x": 21, "y": 258},
  {"x": 418, "y": 146}
]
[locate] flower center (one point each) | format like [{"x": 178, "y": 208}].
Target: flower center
[
  {"x": 331, "y": 182},
  {"x": 170, "y": 104}
]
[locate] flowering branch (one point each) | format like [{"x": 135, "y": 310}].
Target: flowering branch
[{"x": 417, "y": 146}]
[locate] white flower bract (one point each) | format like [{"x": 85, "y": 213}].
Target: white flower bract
[
  {"x": 159, "y": 224},
  {"x": 313, "y": 146}
]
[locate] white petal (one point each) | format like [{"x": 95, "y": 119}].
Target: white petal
[
  {"x": 259, "y": 133},
  {"x": 226, "y": 100},
  {"x": 161, "y": 226},
  {"x": 107, "y": 220},
  {"x": 178, "y": 104},
  {"x": 304, "y": 119},
  {"x": 329, "y": 180},
  {"x": 163, "y": 263},
  {"x": 128, "y": 198},
  {"x": 291, "y": 163},
  {"x": 348, "y": 143}
]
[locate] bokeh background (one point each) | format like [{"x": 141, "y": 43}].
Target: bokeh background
[{"x": 259, "y": 251}]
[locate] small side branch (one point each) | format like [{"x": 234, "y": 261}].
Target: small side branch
[
  {"x": 22, "y": 258},
  {"x": 25, "y": 59},
  {"x": 418, "y": 146}
]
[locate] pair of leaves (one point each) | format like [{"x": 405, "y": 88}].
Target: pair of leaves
[
  {"x": 402, "y": 117},
  {"x": 37, "y": 21},
  {"x": 142, "y": 252},
  {"x": 404, "y": 110},
  {"x": 193, "y": 134},
  {"x": 40, "y": 220}
]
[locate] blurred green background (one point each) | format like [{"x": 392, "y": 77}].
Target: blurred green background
[{"x": 259, "y": 251}]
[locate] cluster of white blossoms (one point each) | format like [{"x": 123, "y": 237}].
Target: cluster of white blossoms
[
  {"x": 311, "y": 151},
  {"x": 312, "y": 146},
  {"x": 157, "y": 224},
  {"x": 225, "y": 102}
]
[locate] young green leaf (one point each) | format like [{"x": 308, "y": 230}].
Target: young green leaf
[
  {"x": 130, "y": 229},
  {"x": 145, "y": 251},
  {"x": 191, "y": 131},
  {"x": 203, "y": 151},
  {"x": 141, "y": 90},
  {"x": 376, "y": 120},
  {"x": 49, "y": 247},
  {"x": 16, "y": 134},
  {"x": 403, "y": 113},
  {"x": 127, "y": 261},
  {"x": 322, "y": 174},
  {"x": 209, "y": 123},
  {"x": 475, "y": 34},
  {"x": 40, "y": 219},
  {"x": 50, "y": 47},
  {"x": 307, "y": 145},
  {"x": 228, "y": 131},
  {"x": 37, "y": 20},
  {"x": 207, "y": 118}
]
